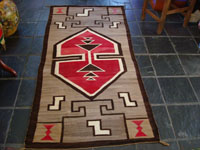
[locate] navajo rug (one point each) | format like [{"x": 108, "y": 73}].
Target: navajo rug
[{"x": 89, "y": 90}]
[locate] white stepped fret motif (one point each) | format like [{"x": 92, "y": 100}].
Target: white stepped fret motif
[
  {"x": 85, "y": 12},
  {"x": 115, "y": 24},
  {"x": 97, "y": 128},
  {"x": 56, "y": 103},
  {"x": 127, "y": 100},
  {"x": 60, "y": 25}
]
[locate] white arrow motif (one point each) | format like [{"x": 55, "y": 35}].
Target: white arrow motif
[
  {"x": 85, "y": 12},
  {"x": 60, "y": 25},
  {"x": 97, "y": 128}
]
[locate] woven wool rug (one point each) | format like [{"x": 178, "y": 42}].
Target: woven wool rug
[{"x": 89, "y": 90}]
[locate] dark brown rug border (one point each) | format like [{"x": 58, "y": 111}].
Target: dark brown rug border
[{"x": 36, "y": 103}]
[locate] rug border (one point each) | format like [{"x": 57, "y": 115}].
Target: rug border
[{"x": 36, "y": 102}]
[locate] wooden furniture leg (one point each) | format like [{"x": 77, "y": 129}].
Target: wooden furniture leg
[
  {"x": 189, "y": 12},
  {"x": 168, "y": 9},
  {"x": 163, "y": 16},
  {"x": 144, "y": 9},
  {"x": 7, "y": 68}
]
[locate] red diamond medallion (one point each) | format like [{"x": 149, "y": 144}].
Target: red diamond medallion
[{"x": 88, "y": 61}]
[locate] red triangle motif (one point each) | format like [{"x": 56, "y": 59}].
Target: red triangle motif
[
  {"x": 48, "y": 137},
  {"x": 59, "y": 10},
  {"x": 139, "y": 128}
]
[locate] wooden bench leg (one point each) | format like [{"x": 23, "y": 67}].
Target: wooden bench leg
[
  {"x": 163, "y": 16},
  {"x": 188, "y": 14},
  {"x": 144, "y": 9}
]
